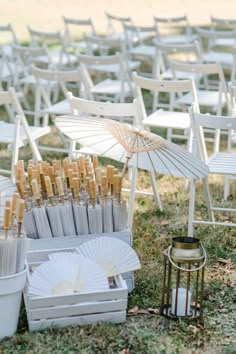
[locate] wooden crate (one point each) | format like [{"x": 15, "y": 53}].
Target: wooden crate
[
  {"x": 40, "y": 248},
  {"x": 76, "y": 309}
]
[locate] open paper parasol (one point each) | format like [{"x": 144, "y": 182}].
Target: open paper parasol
[{"x": 133, "y": 146}]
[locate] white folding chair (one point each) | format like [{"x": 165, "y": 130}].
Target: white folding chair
[
  {"x": 176, "y": 121},
  {"x": 187, "y": 52},
  {"x": 115, "y": 25},
  {"x": 231, "y": 137},
  {"x": 216, "y": 99},
  {"x": 138, "y": 45},
  {"x": 228, "y": 25},
  {"x": 19, "y": 133},
  {"x": 210, "y": 44},
  {"x": 9, "y": 34},
  {"x": 24, "y": 80},
  {"x": 220, "y": 162},
  {"x": 118, "y": 111},
  {"x": 109, "y": 45},
  {"x": 60, "y": 57},
  {"x": 44, "y": 107},
  {"x": 166, "y": 29},
  {"x": 75, "y": 27},
  {"x": 117, "y": 87}
]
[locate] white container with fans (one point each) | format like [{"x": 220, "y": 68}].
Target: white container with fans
[
  {"x": 39, "y": 248},
  {"x": 81, "y": 308}
]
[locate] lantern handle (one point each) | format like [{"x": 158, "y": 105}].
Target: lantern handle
[{"x": 184, "y": 269}]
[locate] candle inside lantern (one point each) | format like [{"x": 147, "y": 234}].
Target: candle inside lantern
[{"x": 181, "y": 302}]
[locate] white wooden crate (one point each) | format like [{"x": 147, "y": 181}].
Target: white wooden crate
[
  {"x": 76, "y": 309},
  {"x": 40, "y": 248}
]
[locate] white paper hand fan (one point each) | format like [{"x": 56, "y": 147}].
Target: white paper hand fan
[
  {"x": 54, "y": 277},
  {"x": 89, "y": 276},
  {"x": 113, "y": 255}
]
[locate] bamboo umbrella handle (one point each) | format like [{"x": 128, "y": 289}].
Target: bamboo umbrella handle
[
  {"x": 15, "y": 199},
  {"x": 21, "y": 210},
  {"x": 35, "y": 190},
  {"x": 6, "y": 222},
  {"x": 104, "y": 186},
  {"x": 60, "y": 188}
]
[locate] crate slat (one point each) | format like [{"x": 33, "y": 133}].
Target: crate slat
[
  {"x": 113, "y": 317},
  {"x": 38, "y": 302},
  {"x": 78, "y": 309}
]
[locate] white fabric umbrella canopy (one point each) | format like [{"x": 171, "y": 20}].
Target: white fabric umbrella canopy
[{"x": 126, "y": 143}]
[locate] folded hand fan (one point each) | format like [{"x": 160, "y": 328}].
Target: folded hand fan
[
  {"x": 89, "y": 277},
  {"x": 54, "y": 277},
  {"x": 113, "y": 255}
]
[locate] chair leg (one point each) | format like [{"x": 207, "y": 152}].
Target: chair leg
[
  {"x": 226, "y": 188},
  {"x": 155, "y": 191},
  {"x": 208, "y": 199},
  {"x": 132, "y": 196},
  {"x": 15, "y": 147},
  {"x": 191, "y": 207}
]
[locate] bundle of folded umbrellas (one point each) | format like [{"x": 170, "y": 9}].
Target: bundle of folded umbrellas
[
  {"x": 13, "y": 242},
  {"x": 68, "y": 198}
]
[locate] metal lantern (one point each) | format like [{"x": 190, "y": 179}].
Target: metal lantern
[{"x": 183, "y": 283}]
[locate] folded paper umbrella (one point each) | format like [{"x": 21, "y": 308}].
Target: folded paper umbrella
[
  {"x": 80, "y": 211},
  {"x": 106, "y": 204},
  {"x": 90, "y": 276},
  {"x": 132, "y": 145},
  {"x": 113, "y": 255},
  {"x": 7, "y": 189},
  {"x": 21, "y": 240},
  {"x": 94, "y": 211},
  {"x": 30, "y": 225},
  {"x": 119, "y": 206},
  {"x": 53, "y": 211},
  {"x": 40, "y": 215},
  {"x": 8, "y": 248},
  {"x": 66, "y": 211}
]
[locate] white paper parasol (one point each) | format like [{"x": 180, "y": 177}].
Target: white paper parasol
[{"x": 134, "y": 146}]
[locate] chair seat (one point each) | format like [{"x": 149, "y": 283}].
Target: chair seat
[
  {"x": 178, "y": 39},
  {"x": 114, "y": 68},
  {"x": 168, "y": 75},
  {"x": 144, "y": 50},
  {"x": 225, "y": 59},
  {"x": 7, "y": 133},
  {"x": 83, "y": 45},
  {"x": 222, "y": 163},
  {"x": 205, "y": 98},
  {"x": 62, "y": 107},
  {"x": 228, "y": 42},
  {"x": 168, "y": 119},
  {"x": 7, "y": 70},
  {"x": 7, "y": 50},
  {"x": 131, "y": 37},
  {"x": 111, "y": 87},
  {"x": 58, "y": 58},
  {"x": 32, "y": 81}
]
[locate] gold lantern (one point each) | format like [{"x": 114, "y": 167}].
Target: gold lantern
[{"x": 183, "y": 281}]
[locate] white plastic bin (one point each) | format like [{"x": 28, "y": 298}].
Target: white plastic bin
[{"x": 11, "y": 288}]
